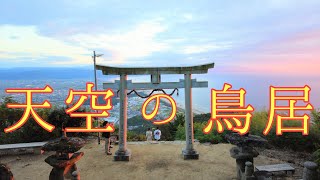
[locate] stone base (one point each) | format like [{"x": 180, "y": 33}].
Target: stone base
[
  {"x": 122, "y": 156},
  {"x": 190, "y": 155}
]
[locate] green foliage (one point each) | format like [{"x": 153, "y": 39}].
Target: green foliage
[
  {"x": 258, "y": 122},
  {"x": 31, "y": 131},
  {"x": 59, "y": 118},
  {"x": 179, "y": 120},
  {"x": 295, "y": 141},
  {"x": 213, "y": 137},
  {"x": 180, "y": 133},
  {"x": 8, "y": 115},
  {"x": 132, "y": 136},
  {"x": 168, "y": 130},
  {"x": 201, "y": 117},
  {"x": 315, "y": 118},
  {"x": 315, "y": 132},
  {"x": 139, "y": 121}
]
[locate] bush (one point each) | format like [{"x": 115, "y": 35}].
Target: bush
[
  {"x": 180, "y": 133},
  {"x": 132, "y": 136},
  {"x": 295, "y": 140},
  {"x": 32, "y": 131},
  {"x": 258, "y": 122},
  {"x": 212, "y": 137},
  {"x": 59, "y": 119}
]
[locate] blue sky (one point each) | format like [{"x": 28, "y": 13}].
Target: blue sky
[
  {"x": 254, "y": 38},
  {"x": 151, "y": 33}
]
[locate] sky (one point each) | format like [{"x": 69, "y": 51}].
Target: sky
[{"x": 254, "y": 41}]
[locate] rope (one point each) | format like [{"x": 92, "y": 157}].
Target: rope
[{"x": 147, "y": 96}]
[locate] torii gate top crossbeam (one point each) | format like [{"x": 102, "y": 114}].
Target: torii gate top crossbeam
[{"x": 200, "y": 69}]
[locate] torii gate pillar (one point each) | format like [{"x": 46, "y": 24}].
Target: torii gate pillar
[
  {"x": 189, "y": 152},
  {"x": 123, "y": 154}
]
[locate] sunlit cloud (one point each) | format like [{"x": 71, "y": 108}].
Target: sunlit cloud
[
  {"x": 138, "y": 42},
  {"x": 232, "y": 33},
  {"x": 28, "y": 44},
  {"x": 297, "y": 54}
]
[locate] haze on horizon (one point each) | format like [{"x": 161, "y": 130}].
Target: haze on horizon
[{"x": 254, "y": 44}]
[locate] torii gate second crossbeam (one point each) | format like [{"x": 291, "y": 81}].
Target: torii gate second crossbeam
[{"x": 124, "y": 154}]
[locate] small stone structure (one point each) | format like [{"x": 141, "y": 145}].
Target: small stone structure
[
  {"x": 63, "y": 162},
  {"x": 5, "y": 173},
  {"x": 244, "y": 153},
  {"x": 310, "y": 171}
]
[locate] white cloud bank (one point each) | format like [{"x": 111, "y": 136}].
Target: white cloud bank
[
  {"x": 138, "y": 42},
  {"x": 24, "y": 44}
]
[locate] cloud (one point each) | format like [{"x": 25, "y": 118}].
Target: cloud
[
  {"x": 137, "y": 42},
  {"x": 187, "y": 16},
  {"x": 28, "y": 44},
  {"x": 201, "y": 48},
  {"x": 297, "y": 54}
]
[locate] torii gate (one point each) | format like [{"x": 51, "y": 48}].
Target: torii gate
[{"x": 124, "y": 154}]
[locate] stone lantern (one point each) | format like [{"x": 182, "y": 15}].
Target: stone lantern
[
  {"x": 63, "y": 162},
  {"x": 244, "y": 153}
]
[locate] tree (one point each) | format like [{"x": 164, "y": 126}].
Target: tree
[
  {"x": 315, "y": 118},
  {"x": 59, "y": 118}
]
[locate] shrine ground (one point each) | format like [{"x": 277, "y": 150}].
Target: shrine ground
[{"x": 149, "y": 161}]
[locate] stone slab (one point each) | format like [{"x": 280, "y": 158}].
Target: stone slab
[
  {"x": 21, "y": 148},
  {"x": 276, "y": 168},
  {"x": 22, "y": 145}
]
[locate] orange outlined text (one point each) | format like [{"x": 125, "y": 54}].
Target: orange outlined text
[
  {"x": 157, "y": 98},
  {"x": 291, "y": 108},
  {"x": 227, "y": 105},
  {"x": 29, "y": 108},
  {"x": 101, "y": 110}
]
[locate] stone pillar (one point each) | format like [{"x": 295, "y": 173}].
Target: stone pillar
[
  {"x": 75, "y": 175},
  {"x": 310, "y": 171},
  {"x": 123, "y": 154},
  {"x": 189, "y": 152},
  {"x": 244, "y": 156},
  {"x": 249, "y": 171}
]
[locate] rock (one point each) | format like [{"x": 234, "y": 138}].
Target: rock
[
  {"x": 5, "y": 173},
  {"x": 248, "y": 140},
  {"x": 62, "y": 163},
  {"x": 310, "y": 165},
  {"x": 64, "y": 145}
]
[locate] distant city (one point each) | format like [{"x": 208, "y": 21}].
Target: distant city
[{"x": 61, "y": 91}]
